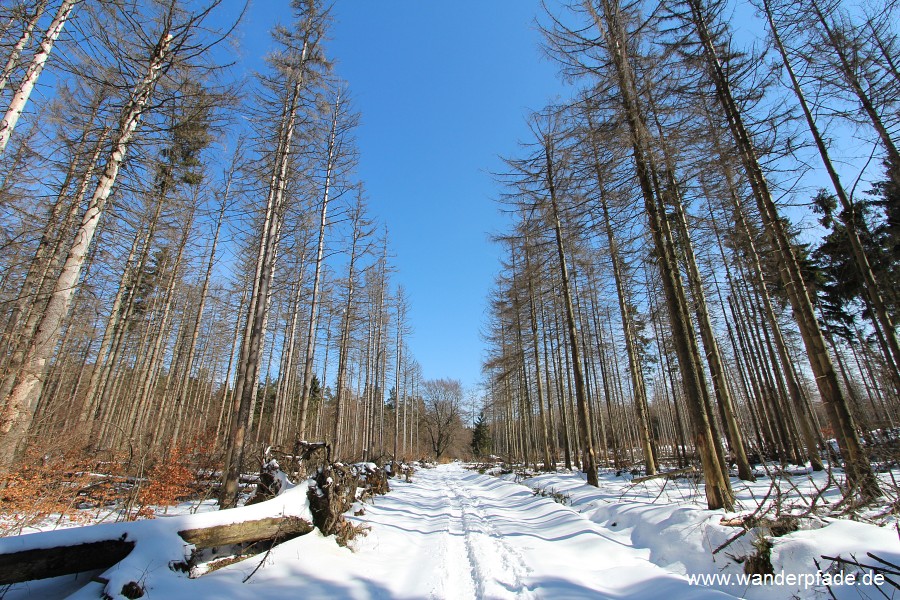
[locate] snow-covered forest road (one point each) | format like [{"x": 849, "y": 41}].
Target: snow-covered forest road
[{"x": 453, "y": 533}]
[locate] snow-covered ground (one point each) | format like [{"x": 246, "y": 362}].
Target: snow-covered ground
[
  {"x": 667, "y": 520},
  {"x": 456, "y": 534}
]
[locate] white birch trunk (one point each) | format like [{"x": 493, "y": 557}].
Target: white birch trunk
[
  {"x": 22, "y": 400},
  {"x": 20, "y": 45},
  {"x": 17, "y": 104}
]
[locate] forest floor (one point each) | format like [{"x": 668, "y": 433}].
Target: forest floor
[{"x": 455, "y": 533}]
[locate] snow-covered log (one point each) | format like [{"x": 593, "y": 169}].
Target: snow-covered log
[
  {"x": 61, "y": 560},
  {"x": 273, "y": 528},
  {"x": 41, "y": 563}
]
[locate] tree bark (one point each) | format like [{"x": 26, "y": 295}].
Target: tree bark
[
  {"x": 22, "y": 400},
  {"x": 20, "y": 98},
  {"x": 859, "y": 471}
]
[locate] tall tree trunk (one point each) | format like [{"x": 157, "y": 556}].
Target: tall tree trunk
[
  {"x": 20, "y": 98},
  {"x": 859, "y": 471},
  {"x": 225, "y": 414},
  {"x": 635, "y": 368},
  {"x": 184, "y": 386},
  {"x": 560, "y": 392},
  {"x": 718, "y": 487},
  {"x": 113, "y": 344},
  {"x": 549, "y": 465},
  {"x": 320, "y": 253},
  {"x": 91, "y": 408},
  {"x": 37, "y": 287},
  {"x": 143, "y": 405},
  {"x": 590, "y": 461},
  {"x": 246, "y": 384},
  {"x": 337, "y": 438},
  {"x": 22, "y": 400},
  {"x": 398, "y": 394},
  {"x": 707, "y": 335},
  {"x": 759, "y": 281}
]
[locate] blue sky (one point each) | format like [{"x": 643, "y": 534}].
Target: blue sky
[{"x": 443, "y": 89}]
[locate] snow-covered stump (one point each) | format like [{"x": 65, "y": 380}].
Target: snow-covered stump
[
  {"x": 334, "y": 489},
  {"x": 395, "y": 469},
  {"x": 271, "y": 481},
  {"x": 301, "y": 459},
  {"x": 375, "y": 480}
]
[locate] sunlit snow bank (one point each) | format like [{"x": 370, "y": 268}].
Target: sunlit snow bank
[
  {"x": 666, "y": 519},
  {"x": 453, "y": 533}
]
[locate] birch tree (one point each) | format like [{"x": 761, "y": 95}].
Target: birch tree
[
  {"x": 23, "y": 92},
  {"x": 172, "y": 35}
]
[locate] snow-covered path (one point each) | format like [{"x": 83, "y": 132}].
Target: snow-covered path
[
  {"x": 453, "y": 533},
  {"x": 480, "y": 537},
  {"x": 449, "y": 534}
]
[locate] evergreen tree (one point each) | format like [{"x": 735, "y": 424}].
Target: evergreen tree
[
  {"x": 840, "y": 284},
  {"x": 481, "y": 437},
  {"x": 886, "y": 196}
]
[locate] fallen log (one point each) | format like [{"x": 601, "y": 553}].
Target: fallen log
[
  {"x": 62, "y": 560},
  {"x": 27, "y": 565},
  {"x": 272, "y": 528}
]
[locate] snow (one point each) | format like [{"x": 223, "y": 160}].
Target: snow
[
  {"x": 667, "y": 520},
  {"x": 157, "y": 544},
  {"x": 453, "y": 533}
]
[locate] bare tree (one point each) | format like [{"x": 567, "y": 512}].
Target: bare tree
[
  {"x": 442, "y": 417},
  {"x": 23, "y": 92},
  {"x": 293, "y": 63},
  {"x": 173, "y": 38}
]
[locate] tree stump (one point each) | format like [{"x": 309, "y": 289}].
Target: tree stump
[
  {"x": 375, "y": 481},
  {"x": 332, "y": 491},
  {"x": 269, "y": 483}
]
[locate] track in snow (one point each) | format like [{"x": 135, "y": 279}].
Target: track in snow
[
  {"x": 492, "y": 567},
  {"x": 455, "y": 534}
]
